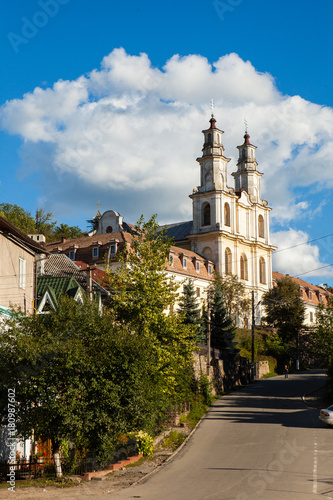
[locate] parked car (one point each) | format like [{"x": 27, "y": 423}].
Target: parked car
[{"x": 326, "y": 415}]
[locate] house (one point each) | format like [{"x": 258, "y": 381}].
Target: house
[
  {"x": 17, "y": 268},
  {"x": 58, "y": 275},
  {"x": 311, "y": 295}
]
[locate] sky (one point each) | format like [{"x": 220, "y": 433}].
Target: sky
[{"x": 105, "y": 101}]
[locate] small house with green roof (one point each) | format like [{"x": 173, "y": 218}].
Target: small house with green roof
[{"x": 51, "y": 288}]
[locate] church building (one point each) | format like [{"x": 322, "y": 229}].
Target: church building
[{"x": 229, "y": 230}]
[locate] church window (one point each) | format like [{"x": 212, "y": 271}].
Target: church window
[
  {"x": 261, "y": 226},
  {"x": 206, "y": 214},
  {"x": 228, "y": 262},
  {"x": 95, "y": 252},
  {"x": 209, "y": 138},
  {"x": 243, "y": 153},
  {"x": 262, "y": 271},
  {"x": 109, "y": 229},
  {"x": 218, "y": 138},
  {"x": 243, "y": 267},
  {"x": 227, "y": 214}
]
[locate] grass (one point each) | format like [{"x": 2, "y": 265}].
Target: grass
[
  {"x": 174, "y": 440},
  {"x": 40, "y": 483}
]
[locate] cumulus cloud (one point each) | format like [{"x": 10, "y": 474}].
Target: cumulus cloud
[
  {"x": 295, "y": 256},
  {"x": 128, "y": 133}
]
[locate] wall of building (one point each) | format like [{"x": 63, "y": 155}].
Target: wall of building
[{"x": 17, "y": 281}]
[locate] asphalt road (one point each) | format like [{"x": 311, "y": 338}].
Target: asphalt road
[{"x": 260, "y": 442}]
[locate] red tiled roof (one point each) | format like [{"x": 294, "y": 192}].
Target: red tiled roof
[{"x": 306, "y": 288}]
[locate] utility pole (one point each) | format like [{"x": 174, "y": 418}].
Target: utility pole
[
  {"x": 253, "y": 325},
  {"x": 89, "y": 282},
  {"x": 208, "y": 336}
]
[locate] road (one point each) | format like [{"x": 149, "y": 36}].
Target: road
[{"x": 260, "y": 442}]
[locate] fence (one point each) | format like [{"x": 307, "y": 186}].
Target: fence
[{"x": 38, "y": 467}]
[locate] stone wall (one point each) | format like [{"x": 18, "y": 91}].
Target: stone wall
[{"x": 224, "y": 373}]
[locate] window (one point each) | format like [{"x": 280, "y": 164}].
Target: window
[
  {"x": 209, "y": 138},
  {"x": 197, "y": 266},
  {"x": 198, "y": 291},
  {"x": 170, "y": 260},
  {"x": 72, "y": 254},
  {"x": 109, "y": 229},
  {"x": 310, "y": 295},
  {"x": 243, "y": 267},
  {"x": 262, "y": 271},
  {"x": 205, "y": 214},
  {"x": 227, "y": 214},
  {"x": 210, "y": 269},
  {"x": 227, "y": 263},
  {"x": 243, "y": 153},
  {"x": 184, "y": 262},
  {"x": 311, "y": 317},
  {"x": 113, "y": 248},
  {"x": 261, "y": 227},
  {"x": 22, "y": 273},
  {"x": 95, "y": 252}
]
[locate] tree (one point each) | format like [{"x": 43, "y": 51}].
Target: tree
[
  {"x": 141, "y": 296},
  {"x": 234, "y": 295},
  {"x": 68, "y": 232},
  {"x": 19, "y": 217},
  {"x": 78, "y": 376},
  {"x": 188, "y": 306},
  {"x": 222, "y": 329},
  {"x": 284, "y": 309},
  {"x": 323, "y": 333},
  {"x": 44, "y": 223}
]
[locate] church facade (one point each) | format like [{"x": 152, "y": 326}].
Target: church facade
[{"x": 230, "y": 225}]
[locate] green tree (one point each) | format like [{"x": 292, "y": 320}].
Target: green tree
[
  {"x": 45, "y": 224},
  {"x": 189, "y": 308},
  {"x": 323, "y": 333},
  {"x": 141, "y": 296},
  {"x": 19, "y": 217},
  {"x": 77, "y": 376},
  {"x": 234, "y": 294},
  {"x": 222, "y": 329},
  {"x": 68, "y": 232},
  {"x": 284, "y": 309}
]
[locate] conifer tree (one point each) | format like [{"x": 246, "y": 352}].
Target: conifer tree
[
  {"x": 222, "y": 329},
  {"x": 188, "y": 305}
]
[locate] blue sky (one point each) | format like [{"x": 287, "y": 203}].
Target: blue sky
[{"x": 127, "y": 131}]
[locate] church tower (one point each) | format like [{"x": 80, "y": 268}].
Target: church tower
[{"x": 231, "y": 225}]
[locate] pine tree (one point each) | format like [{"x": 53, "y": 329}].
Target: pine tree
[
  {"x": 222, "y": 329},
  {"x": 188, "y": 305}
]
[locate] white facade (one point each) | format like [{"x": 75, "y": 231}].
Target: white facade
[{"x": 231, "y": 225}]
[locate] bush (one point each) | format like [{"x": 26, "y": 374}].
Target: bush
[{"x": 145, "y": 442}]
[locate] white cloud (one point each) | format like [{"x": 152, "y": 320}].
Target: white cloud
[
  {"x": 295, "y": 256},
  {"x": 128, "y": 134}
]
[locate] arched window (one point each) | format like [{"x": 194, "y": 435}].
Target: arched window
[
  {"x": 261, "y": 227},
  {"x": 209, "y": 138},
  {"x": 243, "y": 267},
  {"x": 227, "y": 214},
  {"x": 205, "y": 221},
  {"x": 109, "y": 229},
  {"x": 262, "y": 271},
  {"x": 228, "y": 262},
  {"x": 243, "y": 153}
]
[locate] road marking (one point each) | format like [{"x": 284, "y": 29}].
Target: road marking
[{"x": 315, "y": 464}]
